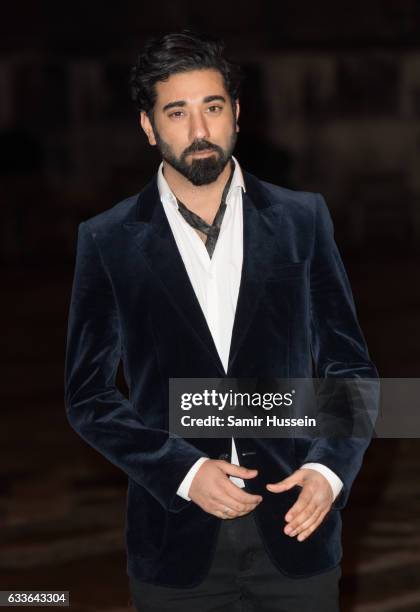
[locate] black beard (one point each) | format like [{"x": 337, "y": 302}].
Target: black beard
[{"x": 201, "y": 171}]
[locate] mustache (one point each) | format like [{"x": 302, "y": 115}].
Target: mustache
[{"x": 201, "y": 145}]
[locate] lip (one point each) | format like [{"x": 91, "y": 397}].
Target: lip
[{"x": 203, "y": 153}]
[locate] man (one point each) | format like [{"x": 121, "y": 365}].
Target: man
[{"x": 209, "y": 272}]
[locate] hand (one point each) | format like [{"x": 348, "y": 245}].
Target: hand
[
  {"x": 313, "y": 503},
  {"x": 215, "y": 493}
]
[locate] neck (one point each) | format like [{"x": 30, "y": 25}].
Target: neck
[{"x": 203, "y": 199}]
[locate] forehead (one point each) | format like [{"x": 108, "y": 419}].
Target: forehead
[{"x": 191, "y": 86}]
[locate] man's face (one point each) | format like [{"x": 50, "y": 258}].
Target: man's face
[{"x": 193, "y": 124}]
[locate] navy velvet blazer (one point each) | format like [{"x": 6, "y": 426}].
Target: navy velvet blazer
[{"x": 132, "y": 300}]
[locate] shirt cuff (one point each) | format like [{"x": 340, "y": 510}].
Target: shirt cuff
[
  {"x": 184, "y": 487},
  {"x": 335, "y": 482}
]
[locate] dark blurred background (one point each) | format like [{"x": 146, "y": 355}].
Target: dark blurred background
[{"x": 331, "y": 103}]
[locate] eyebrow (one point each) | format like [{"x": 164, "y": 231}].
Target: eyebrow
[{"x": 184, "y": 103}]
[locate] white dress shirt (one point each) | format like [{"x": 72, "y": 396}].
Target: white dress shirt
[{"x": 216, "y": 283}]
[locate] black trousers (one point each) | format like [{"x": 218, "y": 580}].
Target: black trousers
[{"x": 242, "y": 578}]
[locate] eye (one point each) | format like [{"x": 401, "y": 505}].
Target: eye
[
  {"x": 176, "y": 114},
  {"x": 214, "y": 108}
]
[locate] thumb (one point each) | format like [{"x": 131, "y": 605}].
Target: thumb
[
  {"x": 286, "y": 483},
  {"x": 237, "y": 470}
]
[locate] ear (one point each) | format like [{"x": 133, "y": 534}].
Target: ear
[
  {"x": 238, "y": 109},
  {"x": 147, "y": 128}
]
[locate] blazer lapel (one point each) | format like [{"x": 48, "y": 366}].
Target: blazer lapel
[
  {"x": 153, "y": 238},
  {"x": 259, "y": 235}
]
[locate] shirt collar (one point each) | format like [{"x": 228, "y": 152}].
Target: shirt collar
[{"x": 167, "y": 195}]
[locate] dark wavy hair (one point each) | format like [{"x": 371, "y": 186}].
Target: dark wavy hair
[{"x": 177, "y": 52}]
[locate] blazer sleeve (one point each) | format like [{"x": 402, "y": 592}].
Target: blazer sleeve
[
  {"x": 339, "y": 350},
  {"x": 96, "y": 409}
]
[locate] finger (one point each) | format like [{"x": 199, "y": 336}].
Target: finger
[
  {"x": 230, "y": 494},
  {"x": 307, "y": 532},
  {"x": 305, "y": 498},
  {"x": 222, "y": 514},
  {"x": 316, "y": 516},
  {"x": 283, "y": 485},
  {"x": 297, "y": 526},
  {"x": 237, "y": 470},
  {"x": 239, "y": 494},
  {"x": 230, "y": 514},
  {"x": 303, "y": 516},
  {"x": 237, "y": 505},
  {"x": 228, "y": 511}
]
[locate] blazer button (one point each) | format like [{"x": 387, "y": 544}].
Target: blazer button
[{"x": 224, "y": 456}]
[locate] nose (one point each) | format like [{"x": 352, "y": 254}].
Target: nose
[{"x": 198, "y": 126}]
